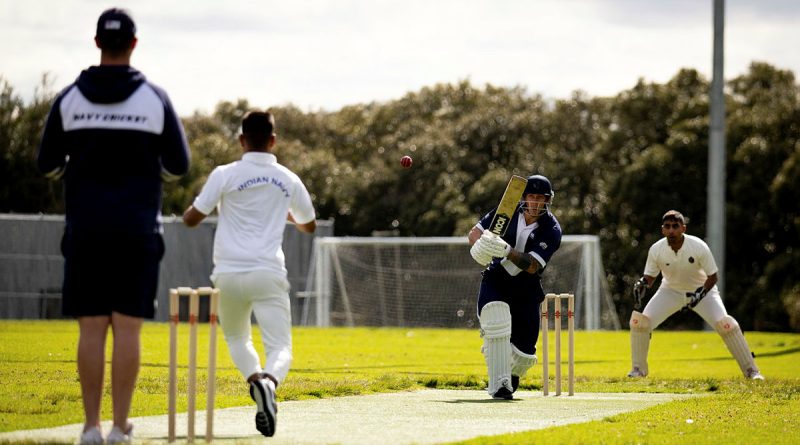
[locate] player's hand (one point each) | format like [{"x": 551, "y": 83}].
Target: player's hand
[
  {"x": 495, "y": 246},
  {"x": 696, "y": 296},
  {"x": 639, "y": 291},
  {"x": 479, "y": 254}
]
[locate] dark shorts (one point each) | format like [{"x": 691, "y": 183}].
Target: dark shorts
[{"x": 106, "y": 273}]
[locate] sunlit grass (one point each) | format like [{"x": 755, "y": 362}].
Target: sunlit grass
[{"x": 40, "y": 385}]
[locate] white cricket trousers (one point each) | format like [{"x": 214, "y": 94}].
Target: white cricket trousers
[
  {"x": 666, "y": 302},
  {"x": 266, "y": 295}
]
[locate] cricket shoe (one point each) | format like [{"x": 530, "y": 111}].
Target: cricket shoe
[
  {"x": 503, "y": 394},
  {"x": 92, "y": 436},
  {"x": 505, "y": 391},
  {"x": 514, "y": 383},
  {"x": 636, "y": 372},
  {"x": 263, "y": 393},
  {"x": 117, "y": 436},
  {"x": 754, "y": 374}
]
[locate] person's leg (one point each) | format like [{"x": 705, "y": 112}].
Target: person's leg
[
  {"x": 525, "y": 324},
  {"x": 91, "y": 365},
  {"x": 271, "y": 308},
  {"x": 130, "y": 304},
  {"x": 494, "y": 316},
  {"x": 124, "y": 365},
  {"x": 273, "y": 313},
  {"x": 664, "y": 303},
  {"x": 235, "y": 309},
  {"x": 713, "y": 312}
]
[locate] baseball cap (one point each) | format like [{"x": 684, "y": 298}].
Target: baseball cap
[{"x": 115, "y": 29}]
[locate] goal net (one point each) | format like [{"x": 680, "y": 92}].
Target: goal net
[{"x": 433, "y": 282}]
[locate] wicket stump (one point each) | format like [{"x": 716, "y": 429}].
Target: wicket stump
[
  {"x": 545, "y": 330},
  {"x": 194, "y": 310}
]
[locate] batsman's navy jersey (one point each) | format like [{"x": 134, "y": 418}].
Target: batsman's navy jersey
[
  {"x": 541, "y": 239},
  {"x": 113, "y": 135}
]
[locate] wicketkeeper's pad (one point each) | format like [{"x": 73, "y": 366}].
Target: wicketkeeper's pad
[
  {"x": 732, "y": 335},
  {"x": 640, "y": 341}
]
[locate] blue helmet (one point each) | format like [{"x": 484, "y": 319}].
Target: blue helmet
[{"x": 539, "y": 185}]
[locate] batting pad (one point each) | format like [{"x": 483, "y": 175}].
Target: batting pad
[
  {"x": 640, "y": 341},
  {"x": 732, "y": 335},
  {"x": 521, "y": 362},
  {"x": 496, "y": 331}
]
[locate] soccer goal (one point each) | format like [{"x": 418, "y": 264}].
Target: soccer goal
[{"x": 433, "y": 282}]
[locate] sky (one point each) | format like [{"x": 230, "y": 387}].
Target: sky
[{"x": 327, "y": 54}]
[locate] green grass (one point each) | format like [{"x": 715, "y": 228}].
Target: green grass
[{"x": 40, "y": 385}]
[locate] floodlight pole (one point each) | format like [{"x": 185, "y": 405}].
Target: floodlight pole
[{"x": 715, "y": 219}]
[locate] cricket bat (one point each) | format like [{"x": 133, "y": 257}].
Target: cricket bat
[{"x": 505, "y": 210}]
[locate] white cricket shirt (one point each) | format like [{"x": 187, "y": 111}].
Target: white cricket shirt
[
  {"x": 253, "y": 197},
  {"x": 684, "y": 270}
]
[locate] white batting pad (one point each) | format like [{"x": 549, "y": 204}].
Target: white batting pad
[
  {"x": 495, "y": 321},
  {"x": 521, "y": 362},
  {"x": 640, "y": 343},
  {"x": 732, "y": 335}
]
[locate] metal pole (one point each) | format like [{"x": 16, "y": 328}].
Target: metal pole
[{"x": 715, "y": 219}]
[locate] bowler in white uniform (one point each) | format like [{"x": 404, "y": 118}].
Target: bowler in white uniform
[
  {"x": 689, "y": 280},
  {"x": 254, "y": 197}
]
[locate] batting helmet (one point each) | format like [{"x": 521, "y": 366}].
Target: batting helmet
[{"x": 539, "y": 185}]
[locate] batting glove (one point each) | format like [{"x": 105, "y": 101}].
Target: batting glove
[
  {"x": 495, "y": 246},
  {"x": 479, "y": 254},
  {"x": 696, "y": 296}
]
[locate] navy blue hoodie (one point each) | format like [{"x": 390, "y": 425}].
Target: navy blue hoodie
[{"x": 113, "y": 136}]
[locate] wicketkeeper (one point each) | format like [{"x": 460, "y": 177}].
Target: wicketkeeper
[
  {"x": 511, "y": 292},
  {"x": 689, "y": 278}
]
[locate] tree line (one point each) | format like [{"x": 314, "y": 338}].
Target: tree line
[{"x": 617, "y": 164}]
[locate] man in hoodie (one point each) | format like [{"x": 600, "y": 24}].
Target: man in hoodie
[{"x": 113, "y": 136}]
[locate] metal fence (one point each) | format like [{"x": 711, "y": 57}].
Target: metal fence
[{"x": 31, "y": 265}]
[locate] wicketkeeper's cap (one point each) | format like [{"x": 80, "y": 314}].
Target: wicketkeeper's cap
[{"x": 115, "y": 29}]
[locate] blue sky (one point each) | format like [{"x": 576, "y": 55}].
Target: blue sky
[{"x": 321, "y": 54}]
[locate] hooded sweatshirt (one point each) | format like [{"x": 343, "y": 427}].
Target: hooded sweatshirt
[{"x": 113, "y": 136}]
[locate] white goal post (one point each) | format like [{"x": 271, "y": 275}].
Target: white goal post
[{"x": 433, "y": 282}]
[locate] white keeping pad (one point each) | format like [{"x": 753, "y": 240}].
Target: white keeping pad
[
  {"x": 732, "y": 335},
  {"x": 640, "y": 341}
]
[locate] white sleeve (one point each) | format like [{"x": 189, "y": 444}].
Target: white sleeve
[
  {"x": 707, "y": 260},
  {"x": 209, "y": 197},
  {"x": 301, "y": 207},
  {"x": 651, "y": 266}
]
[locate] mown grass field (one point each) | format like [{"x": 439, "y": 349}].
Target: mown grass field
[{"x": 40, "y": 385}]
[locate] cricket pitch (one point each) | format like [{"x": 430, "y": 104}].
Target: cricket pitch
[{"x": 420, "y": 417}]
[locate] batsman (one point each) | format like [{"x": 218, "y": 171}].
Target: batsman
[
  {"x": 515, "y": 243},
  {"x": 689, "y": 282}
]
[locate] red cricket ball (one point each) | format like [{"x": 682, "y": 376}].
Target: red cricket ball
[{"x": 406, "y": 161}]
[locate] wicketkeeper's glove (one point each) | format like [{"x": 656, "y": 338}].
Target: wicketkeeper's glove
[
  {"x": 696, "y": 296},
  {"x": 639, "y": 291}
]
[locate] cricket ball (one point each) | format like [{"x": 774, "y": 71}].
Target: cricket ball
[{"x": 406, "y": 161}]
